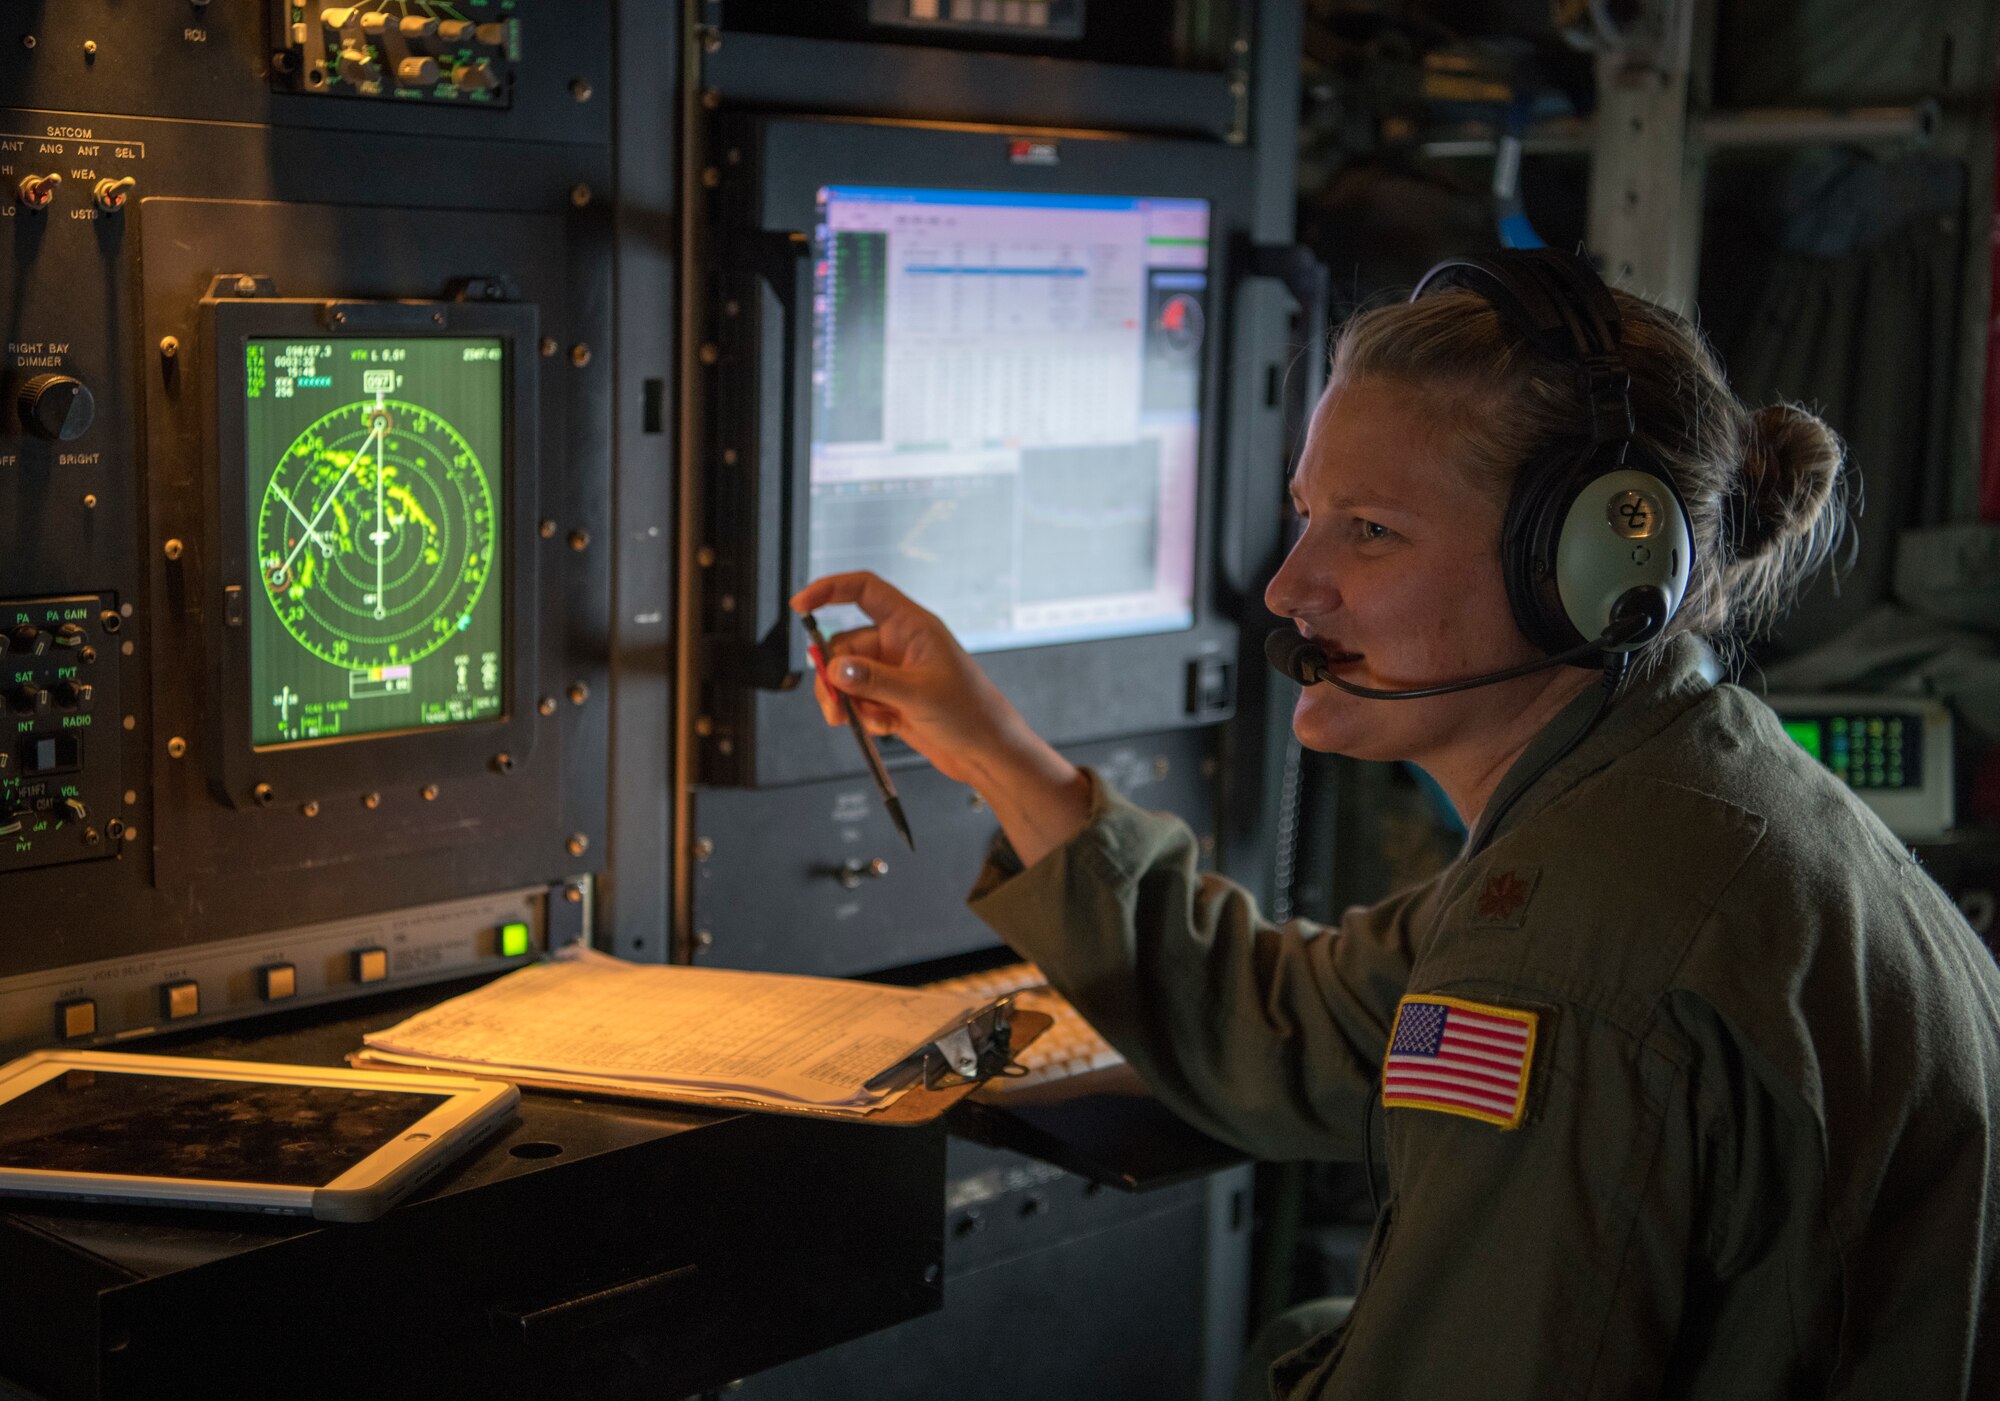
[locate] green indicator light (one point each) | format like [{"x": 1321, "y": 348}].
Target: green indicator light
[
  {"x": 1806, "y": 734},
  {"x": 513, "y": 940}
]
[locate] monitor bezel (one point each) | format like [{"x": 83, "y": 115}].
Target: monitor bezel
[
  {"x": 1071, "y": 691},
  {"x": 307, "y": 770}
]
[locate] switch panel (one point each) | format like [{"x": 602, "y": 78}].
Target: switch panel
[
  {"x": 113, "y": 1000},
  {"x": 61, "y": 734},
  {"x": 338, "y": 50}
]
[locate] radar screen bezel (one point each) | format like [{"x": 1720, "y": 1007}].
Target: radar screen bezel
[{"x": 314, "y": 768}]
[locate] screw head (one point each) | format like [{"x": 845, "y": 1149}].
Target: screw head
[
  {"x": 90, "y": 501},
  {"x": 170, "y": 346},
  {"x": 704, "y": 848},
  {"x": 710, "y": 177},
  {"x": 579, "y": 540},
  {"x": 246, "y": 286},
  {"x": 177, "y": 748},
  {"x": 579, "y": 355},
  {"x": 578, "y": 693},
  {"x": 578, "y": 844},
  {"x": 581, "y": 90},
  {"x": 549, "y": 346},
  {"x": 704, "y": 725},
  {"x": 547, "y": 705},
  {"x": 90, "y": 48},
  {"x": 704, "y": 939},
  {"x": 371, "y": 801},
  {"x": 309, "y": 808},
  {"x": 174, "y": 549},
  {"x": 264, "y": 795},
  {"x": 573, "y": 894},
  {"x": 548, "y": 529},
  {"x": 705, "y": 556},
  {"x": 429, "y": 792},
  {"x": 503, "y": 763},
  {"x": 580, "y": 195},
  {"x": 710, "y": 353}
]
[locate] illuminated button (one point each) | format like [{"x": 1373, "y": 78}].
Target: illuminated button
[
  {"x": 178, "y": 1000},
  {"x": 513, "y": 940},
  {"x": 76, "y": 1018},
  {"x": 371, "y": 965},
  {"x": 277, "y": 981}
]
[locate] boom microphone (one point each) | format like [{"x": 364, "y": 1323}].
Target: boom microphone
[{"x": 1635, "y": 618}]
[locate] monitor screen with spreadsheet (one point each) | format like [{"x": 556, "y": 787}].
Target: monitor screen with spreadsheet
[{"x": 1006, "y": 406}]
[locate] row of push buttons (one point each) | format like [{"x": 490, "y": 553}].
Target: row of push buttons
[{"x": 77, "y": 1018}]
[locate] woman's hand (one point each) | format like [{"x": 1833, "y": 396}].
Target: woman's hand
[{"x": 906, "y": 675}]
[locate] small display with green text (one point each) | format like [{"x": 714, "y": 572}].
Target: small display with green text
[{"x": 375, "y": 480}]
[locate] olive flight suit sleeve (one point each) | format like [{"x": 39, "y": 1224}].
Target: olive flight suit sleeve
[
  {"x": 1268, "y": 1038},
  {"x": 1573, "y": 1255}
]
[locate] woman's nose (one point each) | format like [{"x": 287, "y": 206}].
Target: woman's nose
[{"x": 1298, "y": 588}]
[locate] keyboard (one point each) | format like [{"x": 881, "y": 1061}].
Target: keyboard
[{"x": 1070, "y": 1047}]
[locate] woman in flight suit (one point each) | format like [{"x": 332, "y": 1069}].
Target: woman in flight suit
[{"x": 1686, "y": 1077}]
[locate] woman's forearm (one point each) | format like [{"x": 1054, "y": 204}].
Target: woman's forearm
[{"x": 1040, "y": 798}]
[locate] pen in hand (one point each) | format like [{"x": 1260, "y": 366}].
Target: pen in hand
[{"x": 817, "y": 649}]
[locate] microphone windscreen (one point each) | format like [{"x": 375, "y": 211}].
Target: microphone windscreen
[{"x": 1293, "y": 655}]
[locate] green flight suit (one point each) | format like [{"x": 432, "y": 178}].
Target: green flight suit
[{"x": 1758, "y": 1157}]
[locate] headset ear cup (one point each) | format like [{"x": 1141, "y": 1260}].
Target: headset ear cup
[{"x": 1529, "y": 542}]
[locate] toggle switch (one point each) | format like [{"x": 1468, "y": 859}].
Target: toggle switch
[
  {"x": 111, "y": 195},
  {"x": 38, "y": 192}
]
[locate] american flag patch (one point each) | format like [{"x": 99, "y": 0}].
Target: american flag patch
[{"x": 1460, "y": 1058}]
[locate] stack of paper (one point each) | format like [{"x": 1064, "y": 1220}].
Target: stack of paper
[{"x": 596, "y": 1022}]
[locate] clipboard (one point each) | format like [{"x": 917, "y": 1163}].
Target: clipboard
[{"x": 932, "y": 1079}]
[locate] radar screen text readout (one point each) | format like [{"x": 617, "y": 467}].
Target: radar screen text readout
[{"x": 375, "y": 513}]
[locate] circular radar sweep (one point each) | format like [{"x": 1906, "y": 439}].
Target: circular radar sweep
[{"x": 375, "y": 536}]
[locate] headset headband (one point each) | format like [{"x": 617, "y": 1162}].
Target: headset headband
[{"x": 1559, "y": 304}]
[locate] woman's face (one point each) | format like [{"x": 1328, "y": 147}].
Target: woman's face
[{"x": 1397, "y": 577}]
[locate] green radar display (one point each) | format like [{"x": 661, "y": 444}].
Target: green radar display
[{"x": 376, "y": 495}]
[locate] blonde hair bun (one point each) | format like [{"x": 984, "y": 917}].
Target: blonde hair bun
[{"x": 1791, "y": 461}]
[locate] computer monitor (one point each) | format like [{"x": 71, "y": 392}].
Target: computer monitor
[
  {"x": 374, "y": 546},
  {"x": 375, "y": 504},
  {"x": 990, "y": 368},
  {"x": 1006, "y": 405}
]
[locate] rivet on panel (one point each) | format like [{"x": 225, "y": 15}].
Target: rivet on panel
[
  {"x": 579, "y": 540},
  {"x": 176, "y": 747},
  {"x": 309, "y": 808},
  {"x": 548, "y": 529},
  {"x": 579, "y": 355},
  {"x": 371, "y": 801},
  {"x": 170, "y": 346},
  {"x": 581, "y": 90},
  {"x": 549, "y": 346},
  {"x": 547, "y": 705},
  {"x": 578, "y": 693},
  {"x": 174, "y": 549},
  {"x": 578, "y": 844},
  {"x": 89, "y": 502},
  {"x": 580, "y": 195},
  {"x": 429, "y": 792},
  {"x": 573, "y": 894},
  {"x": 264, "y": 795}
]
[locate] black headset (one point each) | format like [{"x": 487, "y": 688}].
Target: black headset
[{"x": 1593, "y": 519}]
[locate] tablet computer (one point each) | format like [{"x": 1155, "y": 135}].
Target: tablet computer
[{"x": 337, "y": 1145}]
